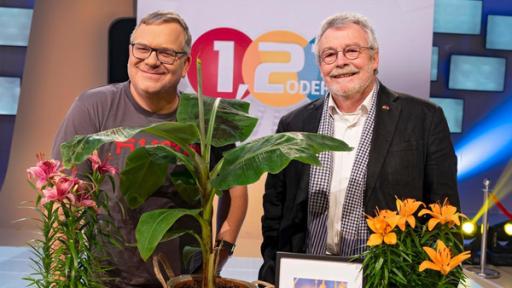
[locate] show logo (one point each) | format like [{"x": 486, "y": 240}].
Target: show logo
[{"x": 278, "y": 68}]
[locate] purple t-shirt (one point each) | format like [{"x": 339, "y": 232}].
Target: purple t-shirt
[{"x": 109, "y": 107}]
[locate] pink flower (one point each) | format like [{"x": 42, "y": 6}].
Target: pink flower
[
  {"x": 102, "y": 167},
  {"x": 83, "y": 195},
  {"x": 61, "y": 190},
  {"x": 85, "y": 201},
  {"x": 43, "y": 171}
]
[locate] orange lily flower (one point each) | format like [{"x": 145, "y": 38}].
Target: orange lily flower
[
  {"x": 382, "y": 225},
  {"x": 445, "y": 214},
  {"x": 442, "y": 260},
  {"x": 406, "y": 210}
]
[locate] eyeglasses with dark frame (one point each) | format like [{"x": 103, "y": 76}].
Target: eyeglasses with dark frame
[
  {"x": 165, "y": 56},
  {"x": 330, "y": 55}
]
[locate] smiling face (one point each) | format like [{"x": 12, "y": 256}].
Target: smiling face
[
  {"x": 348, "y": 79},
  {"x": 149, "y": 77}
]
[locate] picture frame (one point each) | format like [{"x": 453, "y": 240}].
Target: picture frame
[{"x": 294, "y": 270}]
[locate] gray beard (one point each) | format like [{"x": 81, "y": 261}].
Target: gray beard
[{"x": 349, "y": 93}]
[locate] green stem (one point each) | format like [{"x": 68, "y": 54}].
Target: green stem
[
  {"x": 207, "y": 191},
  {"x": 388, "y": 259},
  {"x": 209, "y": 136},
  {"x": 72, "y": 242},
  {"x": 216, "y": 169},
  {"x": 202, "y": 134},
  {"x": 50, "y": 221},
  {"x": 207, "y": 216},
  {"x": 206, "y": 250},
  {"x": 208, "y": 207}
]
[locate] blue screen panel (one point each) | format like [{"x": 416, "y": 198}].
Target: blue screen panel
[
  {"x": 433, "y": 65},
  {"x": 9, "y": 95},
  {"x": 477, "y": 73},
  {"x": 453, "y": 111},
  {"x": 456, "y": 16},
  {"x": 15, "y": 26},
  {"x": 18, "y": 3},
  {"x": 499, "y": 35}
]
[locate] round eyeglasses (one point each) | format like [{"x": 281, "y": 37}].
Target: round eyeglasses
[
  {"x": 165, "y": 56},
  {"x": 330, "y": 55}
]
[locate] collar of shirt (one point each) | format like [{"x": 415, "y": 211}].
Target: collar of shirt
[
  {"x": 362, "y": 109},
  {"x": 352, "y": 118}
]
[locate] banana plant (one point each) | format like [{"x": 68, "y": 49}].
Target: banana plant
[{"x": 206, "y": 122}]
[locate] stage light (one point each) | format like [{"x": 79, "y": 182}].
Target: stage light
[
  {"x": 468, "y": 229},
  {"x": 500, "y": 244},
  {"x": 508, "y": 228}
]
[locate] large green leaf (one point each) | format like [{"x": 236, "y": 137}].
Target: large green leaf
[
  {"x": 176, "y": 233},
  {"x": 80, "y": 147},
  {"x": 153, "y": 226},
  {"x": 246, "y": 163},
  {"x": 232, "y": 122},
  {"x": 186, "y": 186},
  {"x": 145, "y": 171}
]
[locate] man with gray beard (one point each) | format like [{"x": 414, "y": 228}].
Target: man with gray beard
[{"x": 402, "y": 149}]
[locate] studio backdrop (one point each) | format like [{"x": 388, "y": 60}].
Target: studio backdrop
[{"x": 261, "y": 51}]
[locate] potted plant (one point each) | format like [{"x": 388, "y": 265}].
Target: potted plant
[
  {"x": 407, "y": 251},
  {"x": 207, "y": 122},
  {"x": 67, "y": 253}
]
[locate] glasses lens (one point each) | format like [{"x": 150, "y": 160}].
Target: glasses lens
[
  {"x": 141, "y": 51},
  {"x": 352, "y": 52},
  {"x": 329, "y": 56},
  {"x": 167, "y": 56}
]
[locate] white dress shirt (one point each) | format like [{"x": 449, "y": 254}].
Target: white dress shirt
[{"x": 349, "y": 128}]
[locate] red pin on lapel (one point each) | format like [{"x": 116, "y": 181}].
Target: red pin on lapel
[{"x": 385, "y": 107}]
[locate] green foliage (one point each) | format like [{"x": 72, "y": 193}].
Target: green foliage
[
  {"x": 68, "y": 254},
  {"x": 232, "y": 121},
  {"x": 43, "y": 255},
  {"x": 207, "y": 122},
  {"x": 186, "y": 186},
  {"x": 80, "y": 147},
  {"x": 397, "y": 265},
  {"x": 145, "y": 171},
  {"x": 154, "y": 225},
  {"x": 246, "y": 163}
]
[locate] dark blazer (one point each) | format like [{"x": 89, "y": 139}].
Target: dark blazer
[{"x": 411, "y": 156}]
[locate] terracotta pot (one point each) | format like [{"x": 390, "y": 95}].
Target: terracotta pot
[{"x": 194, "y": 281}]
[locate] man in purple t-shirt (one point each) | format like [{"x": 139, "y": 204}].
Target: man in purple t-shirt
[{"x": 159, "y": 58}]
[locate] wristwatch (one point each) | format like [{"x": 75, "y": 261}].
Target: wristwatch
[{"x": 230, "y": 247}]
